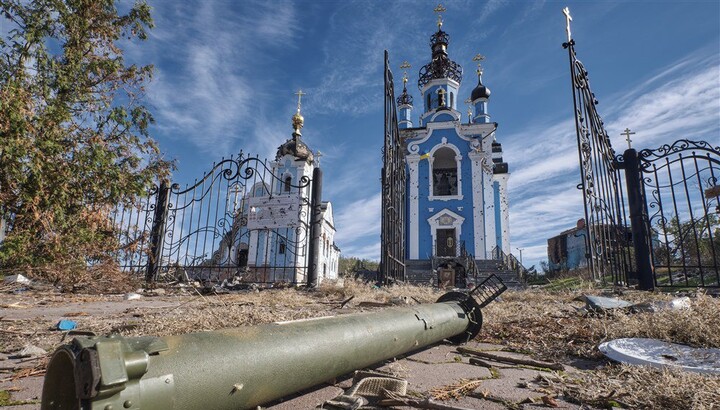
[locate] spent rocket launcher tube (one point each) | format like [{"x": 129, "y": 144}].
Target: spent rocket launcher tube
[{"x": 247, "y": 366}]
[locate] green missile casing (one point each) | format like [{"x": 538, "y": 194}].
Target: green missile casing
[{"x": 244, "y": 367}]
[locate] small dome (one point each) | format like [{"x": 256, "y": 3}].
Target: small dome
[
  {"x": 295, "y": 147},
  {"x": 405, "y": 98},
  {"x": 480, "y": 92}
]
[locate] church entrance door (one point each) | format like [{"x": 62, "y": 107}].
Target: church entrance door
[{"x": 446, "y": 242}]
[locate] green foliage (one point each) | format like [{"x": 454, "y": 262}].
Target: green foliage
[
  {"x": 694, "y": 242},
  {"x": 348, "y": 266},
  {"x": 75, "y": 140}
]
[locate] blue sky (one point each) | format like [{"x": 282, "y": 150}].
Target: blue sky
[{"x": 226, "y": 72}]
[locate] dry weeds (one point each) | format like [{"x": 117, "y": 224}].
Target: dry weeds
[
  {"x": 547, "y": 326},
  {"x": 637, "y": 387},
  {"x": 552, "y": 326}
]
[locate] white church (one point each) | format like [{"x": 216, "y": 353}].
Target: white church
[
  {"x": 456, "y": 196},
  {"x": 271, "y": 234}
]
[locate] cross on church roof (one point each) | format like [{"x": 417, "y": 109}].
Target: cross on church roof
[
  {"x": 627, "y": 133},
  {"x": 404, "y": 66},
  {"x": 299, "y": 93},
  {"x": 439, "y": 10},
  {"x": 568, "y": 19},
  {"x": 479, "y": 58}
]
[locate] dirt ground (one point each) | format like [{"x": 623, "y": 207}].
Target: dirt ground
[{"x": 529, "y": 324}]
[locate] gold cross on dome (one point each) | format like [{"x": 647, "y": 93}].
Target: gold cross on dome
[
  {"x": 404, "y": 66},
  {"x": 568, "y": 19},
  {"x": 439, "y": 10},
  {"x": 479, "y": 58},
  {"x": 627, "y": 133},
  {"x": 300, "y": 93}
]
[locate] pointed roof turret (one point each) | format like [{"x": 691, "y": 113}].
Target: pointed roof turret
[
  {"x": 405, "y": 98},
  {"x": 441, "y": 66},
  {"x": 295, "y": 146},
  {"x": 480, "y": 91}
]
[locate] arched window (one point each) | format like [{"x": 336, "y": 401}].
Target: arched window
[
  {"x": 429, "y": 98},
  {"x": 445, "y": 172},
  {"x": 288, "y": 180},
  {"x": 452, "y": 99}
]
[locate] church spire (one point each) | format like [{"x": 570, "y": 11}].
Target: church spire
[
  {"x": 480, "y": 94},
  {"x": 297, "y": 120},
  {"x": 405, "y": 101},
  {"x": 295, "y": 146},
  {"x": 441, "y": 66}
]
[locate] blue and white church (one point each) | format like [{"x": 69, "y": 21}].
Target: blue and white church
[{"x": 456, "y": 195}]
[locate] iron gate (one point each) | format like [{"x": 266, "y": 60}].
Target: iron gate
[
  {"x": 608, "y": 239},
  {"x": 392, "y": 228},
  {"x": 239, "y": 219},
  {"x": 673, "y": 238}
]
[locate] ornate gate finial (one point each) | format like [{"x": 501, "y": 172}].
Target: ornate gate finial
[{"x": 568, "y": 19}]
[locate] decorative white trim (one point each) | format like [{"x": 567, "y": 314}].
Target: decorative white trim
[
  {"x": 504, "y": 211},
  {"x": 478, "y": 204},
  {"x": 439, "y": 81},
  {"x": 413, "y": 161},
  {"x": 458, "y": 164},
  {"x": 434, "y": 222},
  {"x": 489, "y": 202},
  {"x": 466, "y": 132}
]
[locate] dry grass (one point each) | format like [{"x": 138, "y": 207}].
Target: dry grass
[
  {"x": 550, "y": 325},
  {"x": 637, "y": 387},
  {"x": 545, "y": 325}
]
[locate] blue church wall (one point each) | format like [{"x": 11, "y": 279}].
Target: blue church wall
[{"x": 462, "y": 207}]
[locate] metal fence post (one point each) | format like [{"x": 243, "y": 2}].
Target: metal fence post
[
  {"x": 158, "y": 231},
  {"x": 638, "y": 221},
  {"x": 315, "y": 228}
]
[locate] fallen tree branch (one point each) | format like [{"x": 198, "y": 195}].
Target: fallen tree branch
[{"x": 513, "y": 360}]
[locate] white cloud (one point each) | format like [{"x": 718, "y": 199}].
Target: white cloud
[
  {"x": 209, "y": 96},
  {"x": 358, "y": 220}
]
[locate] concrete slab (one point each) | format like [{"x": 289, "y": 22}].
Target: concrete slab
[
  {"x": 308, "y": 399},
  {"x": 422, "y": 377},
  {"x": 24, "y": 389},
  {"x": 507, "y": 386}
]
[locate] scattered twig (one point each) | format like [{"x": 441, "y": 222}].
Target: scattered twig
[
  {"x": 397, "y": 400},
  {"x": 17, "y": 332},
  {"x": 479, "y": 362},
  {"x": 345, "y": 302},
  {"x": 513, "y": 360},
  {"x": 374, "y": 304},
  {"x": 456, "y": 390}
]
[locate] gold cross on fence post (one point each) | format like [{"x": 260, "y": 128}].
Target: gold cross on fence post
[
  {"x": 568, "y": 19},
  {"x": 627, "y": 133}
]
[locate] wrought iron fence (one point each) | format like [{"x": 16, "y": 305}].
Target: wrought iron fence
[
  {"x": 680, "y": 186},
  {"x": 392, "y": 231},
  {"x": 239, "y": 220}
]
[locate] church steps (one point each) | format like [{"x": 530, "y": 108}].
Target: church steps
[{"x": 419, "y": 271}]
